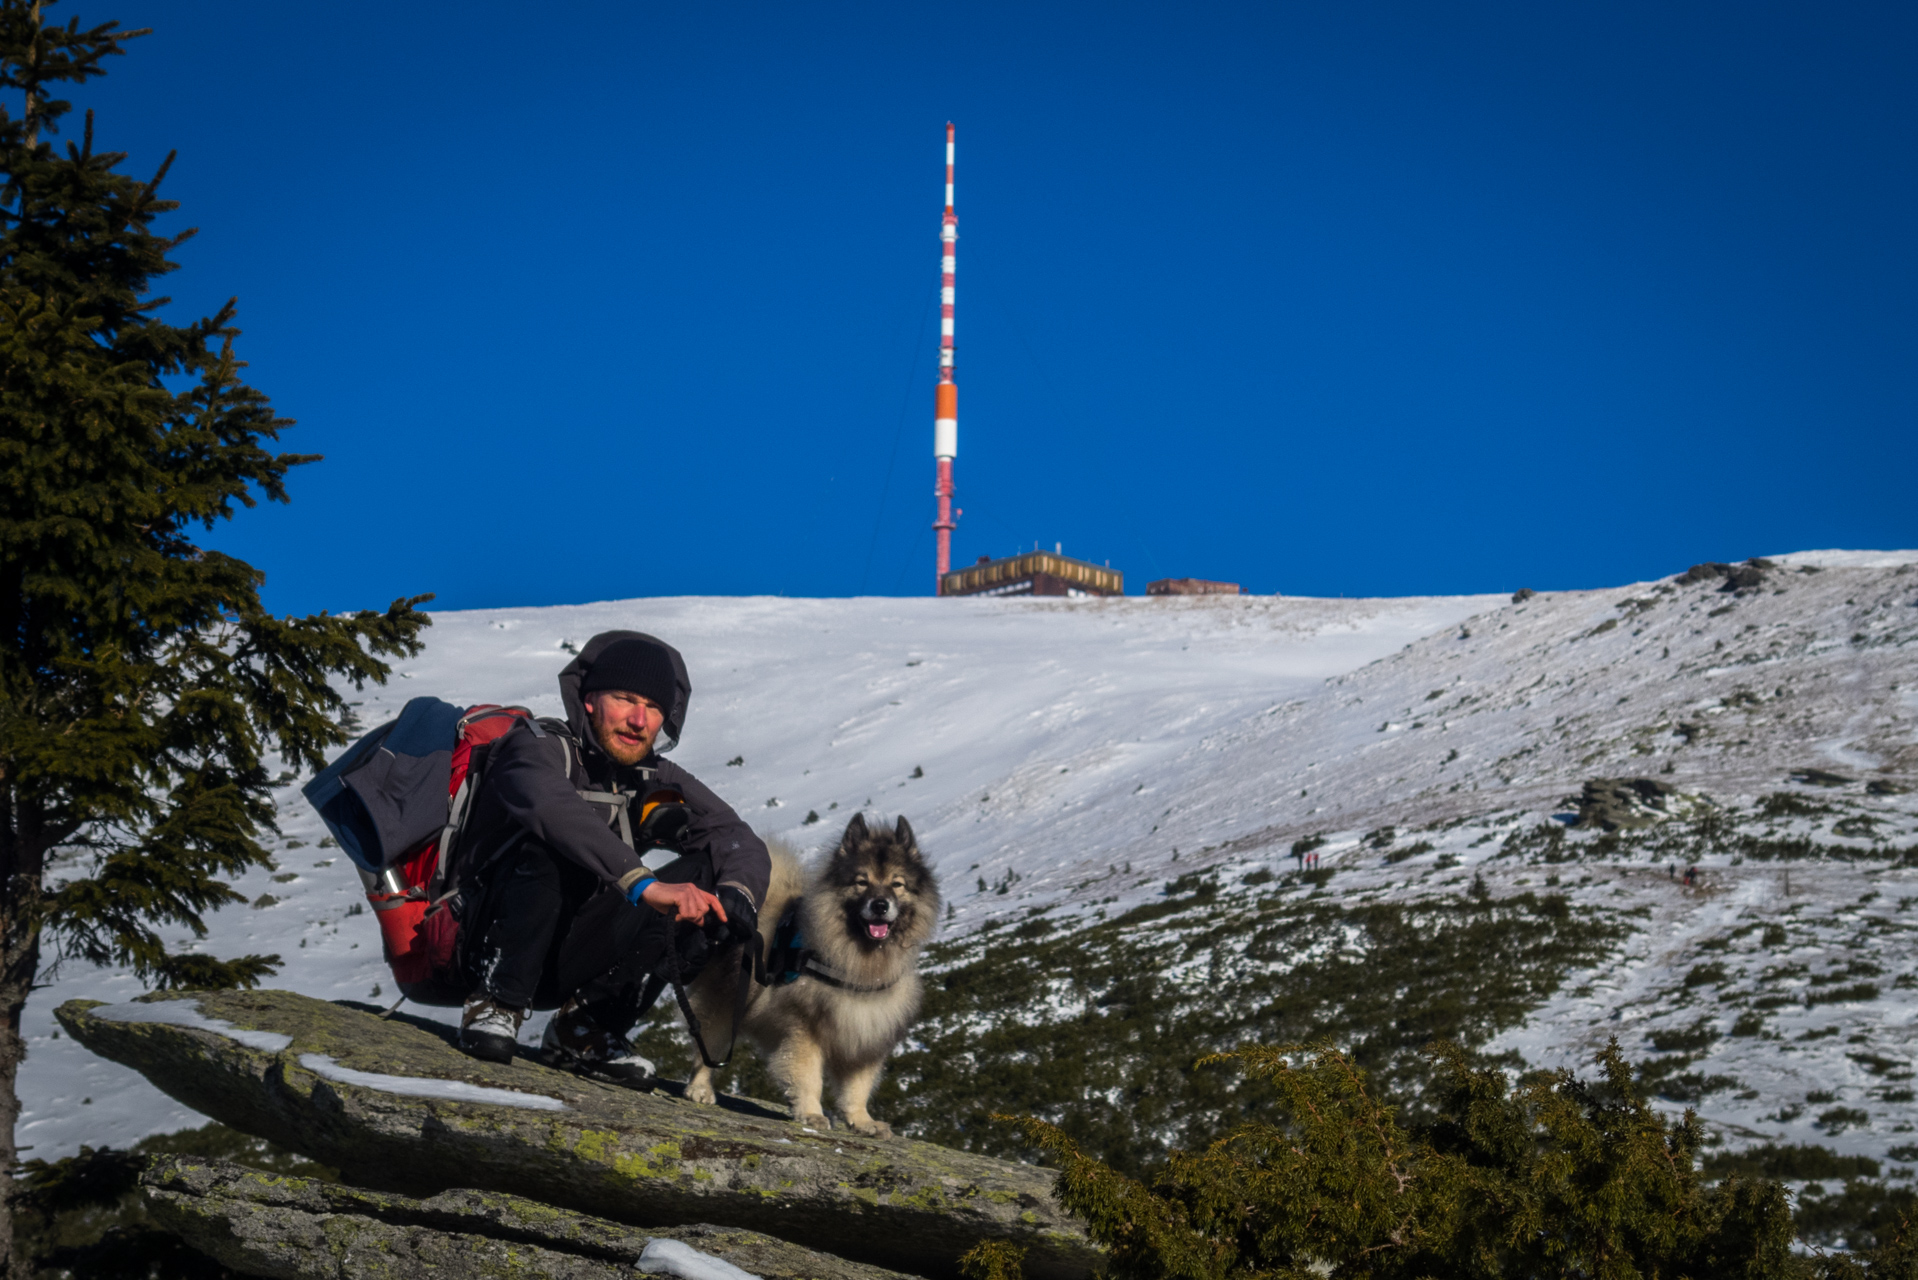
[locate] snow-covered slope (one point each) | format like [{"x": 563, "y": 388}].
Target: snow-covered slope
[{"x": 1059, "y": 742}]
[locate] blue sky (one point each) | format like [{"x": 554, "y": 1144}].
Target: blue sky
[{"x": 600, "y": 300}]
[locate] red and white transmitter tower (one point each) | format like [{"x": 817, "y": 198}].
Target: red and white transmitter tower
[{"x": 945, "y": 423}]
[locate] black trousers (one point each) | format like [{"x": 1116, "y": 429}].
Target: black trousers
[{"x": 547, "y": 930}]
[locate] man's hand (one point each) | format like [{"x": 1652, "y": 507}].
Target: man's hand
[{"x": 682, "y": 902}]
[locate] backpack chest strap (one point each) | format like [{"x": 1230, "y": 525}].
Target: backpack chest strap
[{"x": 621, "y": 801}]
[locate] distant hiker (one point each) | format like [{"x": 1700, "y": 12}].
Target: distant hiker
[
  {"x": 1691, "y": 877},
  {"x": 560, "y": 912},
  {"x": 1672, "y": 871}
]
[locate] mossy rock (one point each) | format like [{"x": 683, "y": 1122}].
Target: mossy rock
[
  {"x": 302, "y": 1229},
  {"x": 642, "y": 1159}
]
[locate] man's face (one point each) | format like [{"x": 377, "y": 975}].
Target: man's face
[{"x": 624, "y": 723}]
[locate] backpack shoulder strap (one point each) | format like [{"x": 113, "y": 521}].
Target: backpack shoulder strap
[
  {"x": 460, "y": 807},
  {"x": 621, "y": 801}
]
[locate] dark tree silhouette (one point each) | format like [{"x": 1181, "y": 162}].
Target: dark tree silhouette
[{"x": 146, "y": 698}]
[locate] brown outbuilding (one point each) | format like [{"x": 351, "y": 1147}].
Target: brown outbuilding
[{"x": 1190, "y": 587}]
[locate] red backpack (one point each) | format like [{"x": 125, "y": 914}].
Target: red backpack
[{"x": 396, "y": 801}]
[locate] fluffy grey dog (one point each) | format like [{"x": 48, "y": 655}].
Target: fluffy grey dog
[{"x": 863, "y": 913}]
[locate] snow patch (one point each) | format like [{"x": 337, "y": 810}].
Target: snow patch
[
  {"x": 421, "y": 1087},
  {"x": 676, "y": 1258},
  {"x": 1848, "y": 559},
  {"x": 186, "y": 1013}
]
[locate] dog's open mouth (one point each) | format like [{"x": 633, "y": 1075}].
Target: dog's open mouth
[{"x": 878, "y": 932}]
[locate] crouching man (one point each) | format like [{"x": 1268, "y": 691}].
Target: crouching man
[{"x": 557, "y": 909}]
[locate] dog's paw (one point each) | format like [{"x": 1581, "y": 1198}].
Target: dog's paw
[
  {"x": 701, "y": 1091},
  {"x": 871, "y": 1128},
  {"x": 815, "y": 1121}
]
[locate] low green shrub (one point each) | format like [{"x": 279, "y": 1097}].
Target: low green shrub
[
  {"x": 1790, "y": 1162},
  {"x": 1096, "y": 1028},
  {"x": 1707, "y": 975},
  {"x": 1839, "y": 1119},
  {"x": 1695, "y": 1086},
  {"x": 1700, "y": 1035},
  {"x": 1865, "y": 1216},
  {"x": 1783, "y": 804},
  {"x": 1554, "y": 1177}
]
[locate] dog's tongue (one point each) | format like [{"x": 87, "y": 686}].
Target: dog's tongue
[{"x": 878, "y": 930}]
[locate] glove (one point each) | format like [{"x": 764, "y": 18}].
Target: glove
[
  {"x": 685, "y": 953},
  {"x": 742, "y": 918}
]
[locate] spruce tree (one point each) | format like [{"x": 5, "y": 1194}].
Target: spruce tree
[{"x": 147, "y": 700}]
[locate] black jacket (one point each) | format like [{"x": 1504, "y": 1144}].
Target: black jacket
[{"x": 532, "y": 782}]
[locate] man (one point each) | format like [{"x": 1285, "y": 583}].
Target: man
[{"x": 558, "y": 910}]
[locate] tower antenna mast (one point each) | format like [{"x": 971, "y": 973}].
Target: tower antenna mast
[{"x": 945, "y": 426}]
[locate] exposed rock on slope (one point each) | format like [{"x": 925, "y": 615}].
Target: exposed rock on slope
[
  {"x": 392, "y": 1105},
  {"x": 1613, "y": 804},
  {"x": 300, "y": 1229}
]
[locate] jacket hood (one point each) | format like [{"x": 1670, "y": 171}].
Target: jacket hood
[{"x": 575, "y": 673}]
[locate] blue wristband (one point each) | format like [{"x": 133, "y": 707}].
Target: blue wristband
[{"x": 639, "y": 888}]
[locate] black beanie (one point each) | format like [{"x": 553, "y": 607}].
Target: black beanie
[{"x": 634, "y": 666}]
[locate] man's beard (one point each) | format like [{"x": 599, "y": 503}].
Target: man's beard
[{"x": 612, "y": 746}]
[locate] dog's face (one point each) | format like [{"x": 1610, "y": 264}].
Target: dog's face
[{"x": 889, "y": 895}]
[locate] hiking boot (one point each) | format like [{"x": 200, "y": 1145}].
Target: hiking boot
[
  {"x": 489, "y": 1030},
  {"x": 575, "y": 1042}
]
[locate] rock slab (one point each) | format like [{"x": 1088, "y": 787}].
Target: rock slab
[
  {"x": 648, "y": 1160},
  {"x": 299, "y": 1229}
]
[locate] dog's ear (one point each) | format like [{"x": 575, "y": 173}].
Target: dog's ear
[
  {"x": 855, "y": 832},
  {"x": 902, "y": 832}
]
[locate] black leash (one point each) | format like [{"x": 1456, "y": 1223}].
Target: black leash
[
  {"x": 754, "y": 967},
  {"x": 750, "y": 964}
]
